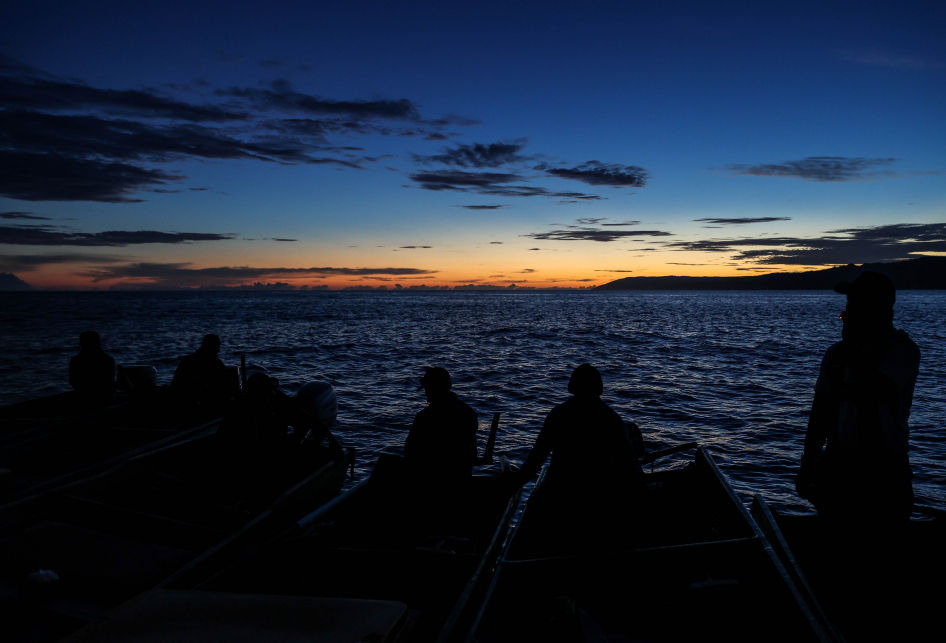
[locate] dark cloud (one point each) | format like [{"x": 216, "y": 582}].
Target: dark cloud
[
  {"x": 482, "y": 207},
  {"x": 597, "y": 173},
  {"x": 614, "y": 271},
  {"x": 535, "y": 248},
  {"x": 476, "y": 155},
  {"x": 495, "y": 243},
  {"x": 820, "y": 169},
  {"x": 27, "y": 90},
  {"x": 744, "y": 220},
  {"x": 850, "y": 245},
  {"x": 461, "y": 181},
  {"x": 882, "y": 58},
  {"x": 28, "y": 263},
  {"x": 46, "y": 177},
  {"x": 622, "y": 223},
  {"x": 415, "y": 247},
  {"x": 54, "y": 236},
  {"x": 281, "y": 96},
  {"x": 23, "y": 215},
  {"x": 180, "y": 274},
  {"x": 487, "y": 183},
  {"x": 278, "y": 239},
  {"x": 66, "y": 141},
  {"x": 594, "y": 234},
  {"x": 198, "y": 189}
]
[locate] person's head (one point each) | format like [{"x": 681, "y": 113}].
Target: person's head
[
  {"x": 436, "y": 383},
  {"x": 211, "y": 343},
  {"x": 586, "y": 382},
  {"x": 90, "y": 340},
  {"x": 870, "y": 300}
]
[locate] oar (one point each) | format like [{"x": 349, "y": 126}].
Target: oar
[
  {"x": 650, "y": 457},
  {"x": 490, "y": 444}
]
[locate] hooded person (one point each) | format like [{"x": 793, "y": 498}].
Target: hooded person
[
  {"x": 855, "y": 465},
  {"x": 589, "y": 443},
  {"x": 201, "y": 376}
]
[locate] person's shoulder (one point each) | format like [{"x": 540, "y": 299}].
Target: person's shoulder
[
  {"x": 565, "y": 408},
  {"x": 905, "y": 345},
  {"x": 463, "y": 406},
  {"x": 605, "y": 409}
]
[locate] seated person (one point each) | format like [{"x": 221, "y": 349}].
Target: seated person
[
  {"x": 256, "y": 424},
  {"x": 592, "y": 454},
  {"x": 442, "y": 440},
  {"x": 201, "y": 376},
  {"x": 92, "y": 371}
]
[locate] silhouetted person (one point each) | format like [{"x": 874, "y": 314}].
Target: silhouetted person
[
  {"x": 584, "y": 502},
  {"x": 861, "y": 410},
  {"x": 201, "y": 376},
  {"x": 442, "y": 441},
  {"x": 590, "y": 446},
  {"x": 92, "y": 371},
  {"x": 256, "y": 425}
]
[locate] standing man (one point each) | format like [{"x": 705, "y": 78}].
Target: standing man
[
  {"x": 861, "y": 410},
  {"x": 442, "y": 440}
]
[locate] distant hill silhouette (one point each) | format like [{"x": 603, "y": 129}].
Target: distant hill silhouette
[
  {"x": 925, "y": 273},
  {"x": 9, "y": 281}
]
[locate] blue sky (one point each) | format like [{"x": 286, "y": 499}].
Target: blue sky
[{"x": 701, "y": 128}]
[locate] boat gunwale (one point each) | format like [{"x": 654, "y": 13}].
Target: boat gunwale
[{"x": 702, "y": 460}]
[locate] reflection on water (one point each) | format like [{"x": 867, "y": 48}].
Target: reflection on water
[{"x": 732, "y": 370}]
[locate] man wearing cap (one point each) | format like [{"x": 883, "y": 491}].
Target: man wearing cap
[
  {"x": 443, "y": 436},
  {"x": 861, "y": 411}
]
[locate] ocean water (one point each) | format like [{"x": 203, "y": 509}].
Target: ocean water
[{"x": 734, "y": 371}]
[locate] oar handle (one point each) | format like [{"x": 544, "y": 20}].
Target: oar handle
[
  {"x": 650, "y": 457},
  {"x": 490, "y": 443}
]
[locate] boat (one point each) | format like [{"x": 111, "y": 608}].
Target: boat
[
  {"x": 59, "y": 439},
  {"x": 682, "y": 561},
  {"x": 375, "y": 564},
  {"x": 871, "y": 584},
  {"x": 70, "y": 554}
]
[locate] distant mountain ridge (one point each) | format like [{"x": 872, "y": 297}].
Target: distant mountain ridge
[
  {"x": 9, "y": 281},
  {"x": 924, "y": 273}
]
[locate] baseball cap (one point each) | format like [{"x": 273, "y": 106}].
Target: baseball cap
[
  {"x": 435, "y": 376},
  {"x": 870, "y": 288}
]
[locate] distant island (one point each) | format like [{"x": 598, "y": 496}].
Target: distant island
[
  {"x": 9, "y": 281},
  {"x": 924, "y": 273}
]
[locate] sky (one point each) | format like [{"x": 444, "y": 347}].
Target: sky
[{"x": 542, "y": 144}]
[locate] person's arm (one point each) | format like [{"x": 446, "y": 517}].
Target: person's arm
[
  {"x": 540, "y": 451},
  {"x": 473, "y": 423},
  {"x": 410, "y": 444},
  {"x": 73, "y": 373},
  {"x": 824, "y": 415}
]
